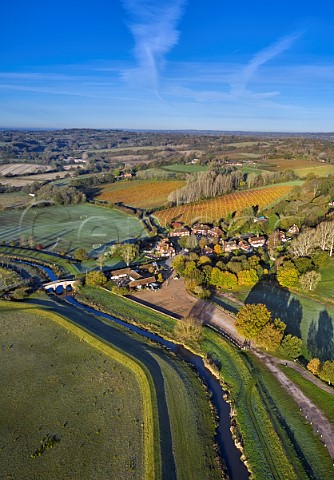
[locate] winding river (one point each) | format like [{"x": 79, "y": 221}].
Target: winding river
[{"x": 101, "y": 324}]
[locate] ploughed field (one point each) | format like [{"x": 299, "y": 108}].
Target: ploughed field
[
  {"x": 219, "y": 207},
  {"x": 140, "y": 193}
]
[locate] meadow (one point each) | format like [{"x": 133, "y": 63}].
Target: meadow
[
  {"x": 21, "y": 168},
  {"x": 140, "y": 193},
  {"x": 182, "y": 168},
  {"x": 278, "y": 444},
  {"x": 310, "y": 320},
  {"x": 220, "y": 207},
  {"x": 55, "y": 387},
  {"x": 69, "y": 227},
  {"x": 183, "y": 435}
]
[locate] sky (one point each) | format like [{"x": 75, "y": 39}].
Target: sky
[{"x": 176, "y": 64}]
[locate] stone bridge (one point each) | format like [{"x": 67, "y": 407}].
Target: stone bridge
[{"x": 60, "y": 283}]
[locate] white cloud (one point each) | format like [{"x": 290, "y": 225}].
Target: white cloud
[
  {"x": 153, "y": 24},
  {"x": 239, "y": 88}
]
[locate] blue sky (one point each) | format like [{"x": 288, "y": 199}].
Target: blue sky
[{"x": 149, "y": 64}]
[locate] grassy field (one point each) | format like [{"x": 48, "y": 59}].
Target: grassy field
[
  {"x": 140, "y": 193},
  {"x": 182, "y": 168},
  {"x": 220, "y": 207},
  {"x": 13, "y": 199},
  {"x": 278, "y": 443},
  {"x": 319, "y": 397},
  {"x": 69, "y": 227},
  {"x": 304, "y": 317},
  {"x": 320, "y": 170},
  {"x": 53, "y": 384},
  {"x": 186, "y": 438}
]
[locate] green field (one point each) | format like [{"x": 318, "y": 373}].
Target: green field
[
  {"x": 309, "y": 319},
  {"x": 278, "y": 444},
  {"x": 53, "y": 384},
  {"x": 182, "y": 168},
  {"x": 183, "y": 434},
  {"x": 320, "y": 171},
  {"x": 323, "y": 400},
  {"x": 69, "y": 227},
  {"x": 325, "y": 288}
]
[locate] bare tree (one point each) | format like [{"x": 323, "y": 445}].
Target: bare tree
[{"x": 305, "y": 244}]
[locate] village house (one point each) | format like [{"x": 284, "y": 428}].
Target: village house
[
  {"x": 256, "y": 242},
  {"x": 294, "y": 230},
  {"x": 244, "y": 246},
  {"x": 180, "y": 232},
  {"x": 281, "y": 236},
  {"x": 215, "y": 232},
  {"x": 207, "y": 251},
  {"x": 230, "y": 246},
  {"x": 201, "y": 229},
  {"x": 165, "y": 248}
]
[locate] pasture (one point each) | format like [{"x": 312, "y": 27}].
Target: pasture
[
  {"x": 140, "y": 193},
  {"x": 220, "y": 207},
  {"x": 21, "y": 181},
  {"x": 56, "y": 388},
  {"x": 183, "y": 433},
  {"x": 308, "y": 319},
  {"x": 14, "y": 199},
  {"x": 69, "y": 227},
  {"x": 185, "y": 168}
]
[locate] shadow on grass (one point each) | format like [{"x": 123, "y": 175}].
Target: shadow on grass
[
  {"x": 281, "y": 304},
  {"x": 320, "y": 337}
]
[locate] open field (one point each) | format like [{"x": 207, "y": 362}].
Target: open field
[
  {"x": 22, "y": 168},
  {"x": 322, "y": 399},
  {"x": 220, "y": 207},
  {"x": 13, "y": 199},
  {"x": 321, "y": 170},
  {"x": 183, "y": 434},
  {"x": 53, "y": 384},
  {"x": 29, "y": 179},
  {"x": 309, "y": 319},
  {"x": 182, "y": 168},
  {"x": 296, "y": 164},
  {"x": 140, "y": 193},
  {"x": 69, "y": 227}
]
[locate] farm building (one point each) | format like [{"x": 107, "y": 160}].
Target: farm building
[
  {"x": 142, "y": 282},
  {"x": 294, "y": 230}
]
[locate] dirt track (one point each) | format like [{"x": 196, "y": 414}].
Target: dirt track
[{"x": 173, "y": 298}]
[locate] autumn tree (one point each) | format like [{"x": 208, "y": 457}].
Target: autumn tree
[
  {"x": 126, "y": 251},
  {"x": 95, "y": 278},
  {"x": 304, "y": 245},
  {"x": 81, "y": 254},
  {"x": 314, "y": 366},
  {"x": 327, "y": 372},
  {"x": 270, "y": 337},
  {"x": 188, "y": 329},
  {"x": 291, "y": 346},
  {"x": 248, "y": 277},
  {"x": 310, "y": 280},
  {"x": 101, "y": 260},
  {"x": 251, "y": 319},
  {"x": 287, "y": 275}
]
